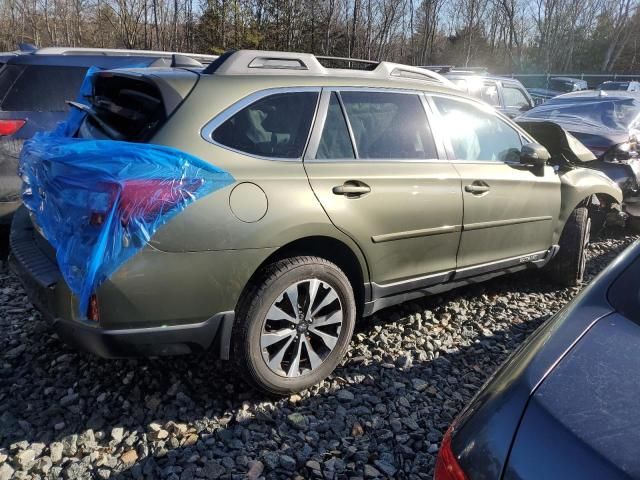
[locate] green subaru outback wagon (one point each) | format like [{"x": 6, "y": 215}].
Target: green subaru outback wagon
[{"x": 353, "y": 190}]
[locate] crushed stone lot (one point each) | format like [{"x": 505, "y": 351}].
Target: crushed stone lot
[{"x": 410, "y": 370}]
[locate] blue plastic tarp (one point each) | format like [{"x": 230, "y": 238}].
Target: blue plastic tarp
[{"x": 99, "y": 201}]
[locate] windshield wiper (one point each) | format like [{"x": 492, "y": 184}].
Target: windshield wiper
[{"x": 110, "y": 131}]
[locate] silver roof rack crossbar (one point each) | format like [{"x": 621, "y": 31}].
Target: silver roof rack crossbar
[
  {"x": 247, "y": 62},
  {"x": 367, "y": 64}
]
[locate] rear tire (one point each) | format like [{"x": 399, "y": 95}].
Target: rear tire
[
  {"x": 569, "y": 265},
  {"x": 293, "y": 324}
]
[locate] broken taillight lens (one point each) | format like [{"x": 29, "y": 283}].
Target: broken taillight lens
[
  {"x": 93, "y": 312},
  {"x": 9, "y": 127}
]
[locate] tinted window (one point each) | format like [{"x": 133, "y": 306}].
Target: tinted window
[
  {"x": 614, "y": 86},
  {"x": 41, "y": 88},
  {"x": 274, "y": 126},
  {"x": 335, "y": 142},
  {"x": 476, "y": 134},
  {"x": 514, "y": 97},
  {"x": 8, "y": 76},
  {"x": 389, "y": 125}
]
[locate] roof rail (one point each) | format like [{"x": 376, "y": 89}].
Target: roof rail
[
  {"x": 248, "y": 62},
  {"x": 119, "y": 51}
]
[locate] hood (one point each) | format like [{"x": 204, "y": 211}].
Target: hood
[
  {"x": 557, "y": 140},
  {"x": 597, "y": 138}
]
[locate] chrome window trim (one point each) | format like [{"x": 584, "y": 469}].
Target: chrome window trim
[{"x": 206, "y": 132}]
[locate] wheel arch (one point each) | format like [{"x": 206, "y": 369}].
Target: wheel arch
[
  {"x": 348, "y": 258},
  {"x": 579, "y": 187}
]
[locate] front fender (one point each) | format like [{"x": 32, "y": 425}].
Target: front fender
[{"x": 579, "y": 184}]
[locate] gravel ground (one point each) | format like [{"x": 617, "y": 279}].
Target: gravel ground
[{"x": 382, "y": 414}]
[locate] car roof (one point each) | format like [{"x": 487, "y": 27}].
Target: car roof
[
  {"x": 101, "y": 61},
  {"x": 600, "y": 94},
  {"x": 568, "y": 79},
  {"x": 99, "y": 57},
  {"x": 117, "y": 52},
  {"x": 497, "y": 78}
]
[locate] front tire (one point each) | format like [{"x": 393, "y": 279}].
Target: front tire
[
  {"x": 293, "y": 324},
  {"x": 569, "y": 265}
]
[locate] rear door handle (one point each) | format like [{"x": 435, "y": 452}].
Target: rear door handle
[
  {"x": 477, "y": 188},
  {"x": 351, "y": 188}
]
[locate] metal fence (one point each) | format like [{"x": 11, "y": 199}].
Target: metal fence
[{"x": 541, "y": 80}]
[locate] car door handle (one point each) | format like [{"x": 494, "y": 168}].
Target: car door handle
[
  {"x": 477, "y": 189},
  {"x": 351, "y": 188}
]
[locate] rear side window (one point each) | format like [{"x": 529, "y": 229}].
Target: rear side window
[
  {"x": 476, "y": 134},
  {"x": 514, "y": 97},
  {"x": 335, "y": 142},
  {"x": 275, "y": 126},
  {"x": 39, "y": 88},
  {"x": 489, "y": 93},
  {"x": 389, "y": 125}
]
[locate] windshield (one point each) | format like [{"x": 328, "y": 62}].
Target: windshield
[
  {"x": 615, "y": 113},
  {"x": 614, "y": 86}
]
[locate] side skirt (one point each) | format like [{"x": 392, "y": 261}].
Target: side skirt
[{"x": 388, "y": 295}]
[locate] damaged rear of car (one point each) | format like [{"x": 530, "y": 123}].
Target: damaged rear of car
[{"x": 94, "y": 199}]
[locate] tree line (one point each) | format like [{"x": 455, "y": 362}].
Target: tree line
[{"x": 507, "y": 36}]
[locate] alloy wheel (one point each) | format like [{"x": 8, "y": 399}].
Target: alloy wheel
[{"x": 301, "y": 328}]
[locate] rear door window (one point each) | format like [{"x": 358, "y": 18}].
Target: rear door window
[
  {"x": 275, "y": 126},
  {"x": 489, "y": 94},
  {"x": 389, "y": 125},
  {"x": 39, "y": 88},
  {"x": 335, "y": 142},
  {"x": 514, "y": 97}
]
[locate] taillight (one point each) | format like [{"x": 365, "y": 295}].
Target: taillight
[
  {"x": 9, "y": 127},
  {"x": 143, "y": 199},
  {"x": 146, "y": 199},
  {"x": 447, "y": 467},
  {"x": 93, "y": 312}
]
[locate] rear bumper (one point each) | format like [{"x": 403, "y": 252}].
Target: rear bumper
[
  {"x": 33, "y": 262},
  {"x": 152, "y": 341}
]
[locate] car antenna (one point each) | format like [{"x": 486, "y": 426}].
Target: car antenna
[{"x": 184, "y": 61}]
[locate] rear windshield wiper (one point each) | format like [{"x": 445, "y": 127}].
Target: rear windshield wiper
[{"x": 110, "y": 131}]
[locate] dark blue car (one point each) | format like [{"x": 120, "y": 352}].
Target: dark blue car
[
  {"x": 34, "y": 88},
  {"x": 565, "y": 404}
]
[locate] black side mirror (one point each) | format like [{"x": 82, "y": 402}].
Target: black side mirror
[{"x": 534, "y": 155}]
